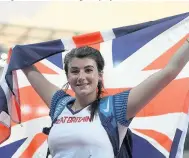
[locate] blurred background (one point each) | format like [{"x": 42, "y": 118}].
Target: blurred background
[{"x": 31, "y": 22}]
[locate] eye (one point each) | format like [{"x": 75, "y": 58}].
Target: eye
[
  {"x": 74, "y": 71},
  {"x": 88, "y": 70}
]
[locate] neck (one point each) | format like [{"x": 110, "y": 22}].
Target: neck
[{"x": 83, "y": 101}]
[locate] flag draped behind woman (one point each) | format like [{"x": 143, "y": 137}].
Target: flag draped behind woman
[{"x": 132, "y": 53}]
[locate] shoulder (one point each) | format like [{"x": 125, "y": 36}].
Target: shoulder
[
  {"x": 57, "y": 96},
  {"x": 116, "y": 100},
  {"x": 120, "y": 102},
  {"x": 59, "y": 100},
  {"x": 122, "y": 95},
  {"x": 117, "y": 105}
]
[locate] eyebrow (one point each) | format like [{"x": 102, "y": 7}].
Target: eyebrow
[{"x": 88, "y": 66}]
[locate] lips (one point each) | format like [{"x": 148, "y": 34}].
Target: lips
[{"x": 81, "y": 85}]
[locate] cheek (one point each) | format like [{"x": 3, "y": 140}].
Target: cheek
[
  {"x": 95, "y": 80},
  {"x": 71, "y": 80},
  {"x": 72, "y": 83}
]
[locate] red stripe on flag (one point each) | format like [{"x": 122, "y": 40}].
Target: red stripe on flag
[
  {"x": 31, "y": 107},
  {"x": 96, "y": 46},
  {"x": 27, "y": 99},
  {"x": 44, "y": 69},
  {"x": 9, "y": 55},
  {"x": 37, "y": 141},
  {"x": 171, "y": 99},
  {"x": 161, "y": 138},
  {"x": 162, "y": 61},
  {"x": 4, "y": 133},
  {"x": 87, "y": 39}
]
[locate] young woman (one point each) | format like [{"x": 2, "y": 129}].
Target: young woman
[{"x": 84, "y": 136}]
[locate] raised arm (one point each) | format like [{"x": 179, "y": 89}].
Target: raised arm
[
  {"x": 149, "y": 88},
  {"x": 42, "y": 86}
]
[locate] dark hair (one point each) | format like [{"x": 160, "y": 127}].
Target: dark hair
[{"x": 88, "y": 52}]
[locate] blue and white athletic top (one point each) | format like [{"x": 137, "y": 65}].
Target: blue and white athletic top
[{"x": 74, "y": 136}]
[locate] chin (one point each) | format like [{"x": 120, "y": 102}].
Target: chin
[{"x": 84, "y": 93}]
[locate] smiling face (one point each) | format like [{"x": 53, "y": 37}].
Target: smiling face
[{"x": 83, "y": 76}]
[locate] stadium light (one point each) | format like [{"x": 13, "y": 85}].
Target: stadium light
[
  {"x": 3, "y": 59},
  {"x": 4, "y": 56}
]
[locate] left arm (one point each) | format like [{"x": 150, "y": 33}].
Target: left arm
[{"x": 149, "y": 88}]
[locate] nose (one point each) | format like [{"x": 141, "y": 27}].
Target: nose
[{"x": 81, "y": 76}]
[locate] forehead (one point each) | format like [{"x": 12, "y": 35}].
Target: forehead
[{"x": 82, "y": 62}]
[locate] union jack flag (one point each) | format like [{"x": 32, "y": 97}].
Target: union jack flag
[{"x": 132, "y": 53}]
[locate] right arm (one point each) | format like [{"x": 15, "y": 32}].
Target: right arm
[{"x": 41, "y": 85}]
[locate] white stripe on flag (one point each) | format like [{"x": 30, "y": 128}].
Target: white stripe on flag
[
  {"x": 68, "y": 43},
  {"x": 6, "y": 118},
  {"x": 6, "y": 90},
  {"x": 183, "y": 136},
  {"x": 107, "y": 35}
]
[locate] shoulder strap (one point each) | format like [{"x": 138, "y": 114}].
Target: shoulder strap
[
  {"x": 128, "y": 142},
  {"x": 107, "y": 117},
  {"x": 127, "y": 146},
  {"x": 108, "y": 111},
  {"x": 120, "y": 105}
]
